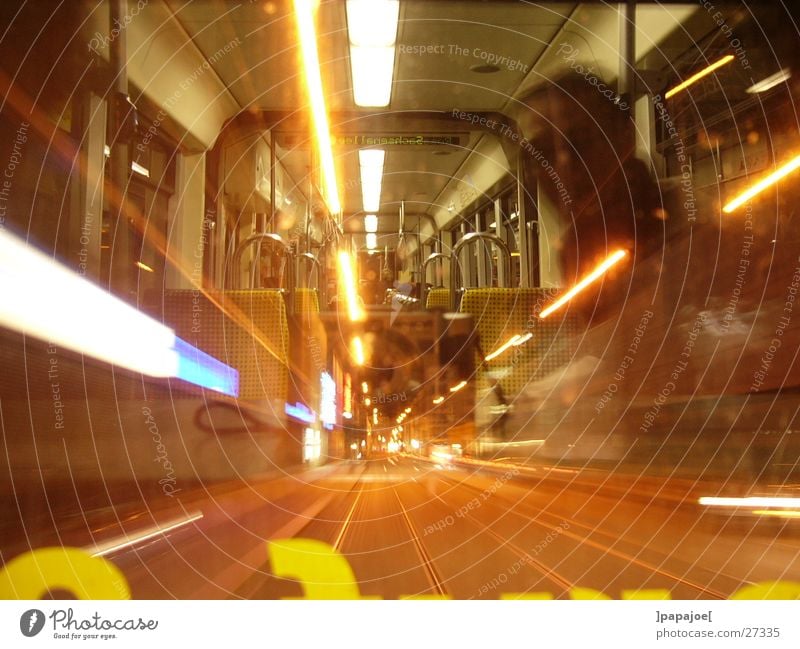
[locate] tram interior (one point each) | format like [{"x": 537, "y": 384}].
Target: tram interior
[{"x": 470, "y": 299}]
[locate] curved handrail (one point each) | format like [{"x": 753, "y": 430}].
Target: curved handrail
[
  {"x": 258, "y": 238},
  {"x": 467, "y": 239},
  {"x": 424, "y": 273},
  {"x": 316, "y": 266}
]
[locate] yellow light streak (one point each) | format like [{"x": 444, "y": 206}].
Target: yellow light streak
[
  {"x": 347, "y": 280},
  {"x": 458, "y": 386},
  {"x": 699, "y": 75},
  {"x": 357, "y": 350},
  {"x": 777, "y": 512},
  {"x": 599, "y": 271},
  {"x": 762, "y": 184},
  {"x": 304, "y": 13},
  {"x": 509, "y": 343}
]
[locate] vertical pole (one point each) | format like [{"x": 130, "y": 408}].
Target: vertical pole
[
  {"x": 526, "y": 256},
  {"x": 86, "y": 218},
  {"x": 627, "y": 50},
  {"x": 500, "y": 231},
  {"x": 121, "y": 267},
  {"x": 480, "y": 254}
]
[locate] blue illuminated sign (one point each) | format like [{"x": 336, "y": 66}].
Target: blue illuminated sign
[
  {"x": 300, "y": 412},
  {"x": 197, "y": 367}
]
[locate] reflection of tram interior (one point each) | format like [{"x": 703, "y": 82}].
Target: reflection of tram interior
[{"x": 415, "y": 325}]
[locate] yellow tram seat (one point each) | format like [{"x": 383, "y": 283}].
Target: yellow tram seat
[
  {"x": 499, "y": 314},
  {"x": 306, "y": 300},
  {"x": 438, "y": 298},
  {"x": 246, "y": 329}
]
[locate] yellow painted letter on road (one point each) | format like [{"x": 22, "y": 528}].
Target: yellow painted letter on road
[
  {"x": 33, "y": 574},
  {"x": 322, "y": 571},
  {"x": 769, "y": 590}
]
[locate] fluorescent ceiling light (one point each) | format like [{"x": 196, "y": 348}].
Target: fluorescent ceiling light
[
  {"x": 308, "y": 45},
  {"x": 372, "y": 23},
  {"x": 770, "y": 81},
  {"x": 371, "y": 223},
  {"x": 372, "y": 29},
  {"x": 372, "y": 240},
  {"x": 373, "y": 71},
  {"x": 371, "y": 163},
  {"x": 33, "y": 287}
]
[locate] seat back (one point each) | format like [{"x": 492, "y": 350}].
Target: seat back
[
  {"x": 247, "y": 330},
  {"x": 499, "y": 314}
]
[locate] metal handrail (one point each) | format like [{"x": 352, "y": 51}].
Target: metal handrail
[
  {"x": 316, "y": 266},
  {"x": 258, "y": 238},
  {"x": 424, "y": 274},
  {"x": 455, "y": 265}
]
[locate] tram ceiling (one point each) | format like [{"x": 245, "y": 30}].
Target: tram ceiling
[{"x": 476, "y": 57}]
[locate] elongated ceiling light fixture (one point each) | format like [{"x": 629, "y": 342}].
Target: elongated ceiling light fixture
[
  {"x": 372, "y": 30},
  {"x": 371, "y": 163},
  {"x": 304, "y": 12}
]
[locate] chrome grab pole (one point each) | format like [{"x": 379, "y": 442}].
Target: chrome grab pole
[
  {"x": 424, "y": 272},
  {"x": 468, "y": 239}
]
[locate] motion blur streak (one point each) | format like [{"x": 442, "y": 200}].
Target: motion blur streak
[
  {"x": 347, "y": 278},
  {"x": 614, "y": 258},
  {"x": 33, "y": 288},
  {"x": 762, "y": 184},
  {"x": 304, "y": 12},
  {"x": 699, "y": 75}
]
